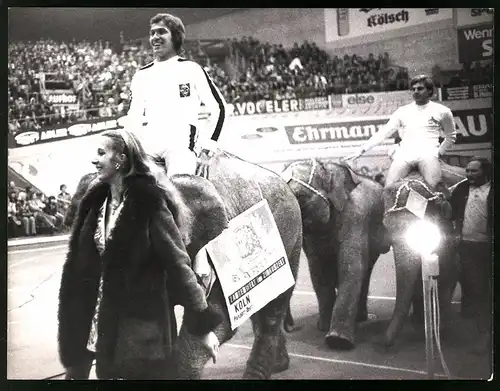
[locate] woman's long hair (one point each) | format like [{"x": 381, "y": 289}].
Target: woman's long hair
[
  {"x": 140, "y": 164},
  {"x": 137, "y": 163}
]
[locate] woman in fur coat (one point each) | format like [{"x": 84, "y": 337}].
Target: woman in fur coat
[{"x": 126, "y": 257}]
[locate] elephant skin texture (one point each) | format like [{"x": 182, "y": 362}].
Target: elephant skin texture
[
  {"x": 342, "y": 216},
  {"x": 233, "y": 186}
]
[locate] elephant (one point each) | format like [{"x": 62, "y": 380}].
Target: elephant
[
  {"x": 342, "y": 214},
  {"x": 408, "y": 264},
  {"x": 235, "y": 185}
]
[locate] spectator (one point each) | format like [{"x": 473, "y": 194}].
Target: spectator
[
  {"x": 472, "y": 214},
  {"x": 27, "y": 217},
  {"x": 13, "y": 222},
  {"x": 63, "y": 199},
  {"x": 44, "y": 222},
  {"x": 12, "y": 188},
  {"x": 52, "y": 209}
]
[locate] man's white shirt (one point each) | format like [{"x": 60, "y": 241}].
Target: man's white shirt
[
  {"x": 167, "y": 95},
  {"x": 420, "y": 126}
]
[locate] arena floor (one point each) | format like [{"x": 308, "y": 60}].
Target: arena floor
[{"x": 33, "y": 283}]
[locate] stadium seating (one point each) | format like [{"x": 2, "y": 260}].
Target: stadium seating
[{"x": 101, "y": 76}]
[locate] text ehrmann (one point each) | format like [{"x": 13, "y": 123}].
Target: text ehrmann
[{"x": 303, "y": 134}]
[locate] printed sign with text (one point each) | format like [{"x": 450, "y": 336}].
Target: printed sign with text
[
  {"x": 344, "y": 23},
  {"x": 472, "y": 16},
  {"x": 251, "y": 262},
  {"x": 475, "y": 43}
]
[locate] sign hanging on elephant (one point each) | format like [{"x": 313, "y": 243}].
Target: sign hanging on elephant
[{"x": 251, "y": 262}]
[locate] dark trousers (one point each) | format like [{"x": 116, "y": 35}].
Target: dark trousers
[{"x": 475, "y": 277}]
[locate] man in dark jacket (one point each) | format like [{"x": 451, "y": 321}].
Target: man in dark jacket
[{"x": 472, "y": 216}]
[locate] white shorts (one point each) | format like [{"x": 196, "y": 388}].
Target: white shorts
[
  {"x": 414, "y": 155},
  {"x": 180, "y": 161}
]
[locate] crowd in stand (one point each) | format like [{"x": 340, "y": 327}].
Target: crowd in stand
[
  {"x": 30, "y": 213},
  {"x": 306, "y": 71},
  {"x": 100, "y": 76}
]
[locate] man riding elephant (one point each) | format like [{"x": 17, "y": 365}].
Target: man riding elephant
[
  {"x": 416, "y": 166},
  {"x": 419, "y": 125}
]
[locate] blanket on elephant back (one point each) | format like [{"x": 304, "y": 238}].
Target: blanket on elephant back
[
  {"x": 414, "y": 195},
  {"x": 251, "y": 262}
]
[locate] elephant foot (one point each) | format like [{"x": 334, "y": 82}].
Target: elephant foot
[
  {"x": 254, "y": 375},
  {"x": 290, "y": 328},
  {"x": 282, "y": 365},
  {"x": 257, "y": 371},
  {"x": 383, "y": 343},
  {"x": 338, "y": 342}
]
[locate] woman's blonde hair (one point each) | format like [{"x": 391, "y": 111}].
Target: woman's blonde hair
[{"x": 138, "y": 162}]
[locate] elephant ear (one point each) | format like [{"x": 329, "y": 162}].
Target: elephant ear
[{"x": 343, "y": 180}]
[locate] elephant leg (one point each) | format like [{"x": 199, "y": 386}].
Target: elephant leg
[
  {"x": 417, "y": 318},
  {"x": 352, "y": 270},
  {"x": 294, "y": 260},
  {"x": 408, "y": 269},
  {"x": 362, "y": 315},
  {"x": 322, "y": 260},
  {"x": 269, "y": 338},
  {"x": 190, "y": 356}
]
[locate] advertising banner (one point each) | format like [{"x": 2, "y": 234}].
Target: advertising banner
[
  {"x": 279, "y": 106},
  {"x": 341, "y": 133},
  {"x": 467, "y": 92},
  {"x": 251, "y": 263},
  {"x": 474, "y": 126},
  {"x": 374, "y": 99},
  {"x": 473, "y": 16},
  {"x": 482, "y": 91},
  {"x": 320, "y": 103},
  {"x": 64, "y": 132},
  {"x": 475, "y": 43},
  {"x": 345, "y": 23},
  {"x": 62, "y": 98}
]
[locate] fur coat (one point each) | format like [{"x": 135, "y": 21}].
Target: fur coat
[{"x": 143, "y": 263}]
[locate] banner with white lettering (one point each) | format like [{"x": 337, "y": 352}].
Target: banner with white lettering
[
  {"x": 281, "y": 106},
  {"x": 473, "y": 16},
  {"x": 64, "y": 132},
  {"x": 377, "y": 99},
  {"x": 62, "y": 98},
  {"x": 467, "y": 92},
  {"x": 251, "y": 262},
  {"x": 474, "y": 126},
  {"x": 344, "y": 134},
  {"x": 345, "y": 23},
  {"x": 475, "y": 43}
]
